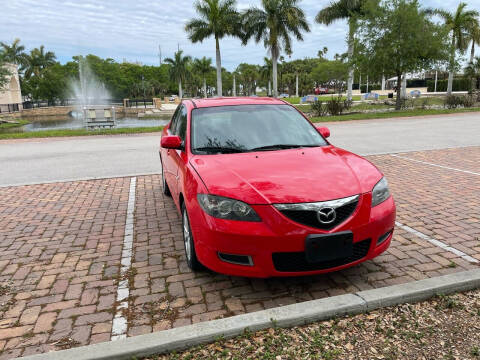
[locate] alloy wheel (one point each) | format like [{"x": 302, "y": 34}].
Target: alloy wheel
[{"x": 187, "y": 236}]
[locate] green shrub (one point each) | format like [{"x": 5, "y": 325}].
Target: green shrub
[
  {"x": 336, "y": 106},
  {"x": 347, "y": 104},
  {"x": 319, "y": 108},
  {"x": 468, "y": 101},
  {"x": 455, "y": 101},
  {"x": 371, "y": 87},
  {"x": 442, "y": 85},
  {"x": 452, "y": 101},
  {"x": 416, "y": 83},
  {"x": 424, "y": 103}
]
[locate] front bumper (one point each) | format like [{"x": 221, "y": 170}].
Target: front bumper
[{"x": 277, "y": 234}]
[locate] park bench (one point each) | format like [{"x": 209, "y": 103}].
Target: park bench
[{"x": 99, "y": 118}]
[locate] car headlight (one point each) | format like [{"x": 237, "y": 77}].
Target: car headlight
[
  {"x": 380, "y": 192},
  {"x": 225, "y": 208}
]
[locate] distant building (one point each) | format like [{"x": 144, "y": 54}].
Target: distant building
[{"x": 11, "y": 93}]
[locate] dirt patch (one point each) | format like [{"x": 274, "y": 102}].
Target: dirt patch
[{"x": 445, "y": 327}]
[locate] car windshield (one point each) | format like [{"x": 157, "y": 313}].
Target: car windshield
[{"x": 243, "y": 128}]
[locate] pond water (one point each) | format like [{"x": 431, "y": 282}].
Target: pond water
[{"x": 67, "y": 122}]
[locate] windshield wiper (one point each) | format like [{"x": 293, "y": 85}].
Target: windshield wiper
[
  {"x": 280, "y": 146},
  {"x": 220, "y": 149}
]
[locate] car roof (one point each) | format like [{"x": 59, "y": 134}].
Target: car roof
[{"x": 229, "y": 101}]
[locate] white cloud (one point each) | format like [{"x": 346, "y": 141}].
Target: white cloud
[{"x": 134, "y": 29}]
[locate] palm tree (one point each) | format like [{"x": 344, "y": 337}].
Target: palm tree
[
  {"x": 14, "y": 53},
  {"x": 323, "y": 52},
  {"x": 218, "y": 18},
  {"x": 458, "y": 24},
  {"x": 203, "y": 66},
  {"x": 4, "y": 74},
  {"x": 37, "y": 61},
  {"x": 178, "y": 69},
  {"x": 274, "y": 23},
  {"x": 350, "y": 10},
  {"x": 472, "y": 71},
  {"x": 474, "y": 34}
]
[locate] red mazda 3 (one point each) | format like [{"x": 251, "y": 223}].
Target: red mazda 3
[{"x": 262, "y": 192}]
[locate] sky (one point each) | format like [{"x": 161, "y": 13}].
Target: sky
[{"x": 134, "y": 30}]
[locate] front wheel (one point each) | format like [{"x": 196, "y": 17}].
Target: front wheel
[{"x": 188, "y": 242}]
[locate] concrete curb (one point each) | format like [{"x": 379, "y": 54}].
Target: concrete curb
[{"x": 285, "y": 316}]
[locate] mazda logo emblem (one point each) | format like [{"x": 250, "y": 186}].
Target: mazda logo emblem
[{"x": 326, "y": 215}]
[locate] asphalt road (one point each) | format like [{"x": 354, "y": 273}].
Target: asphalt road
[{"x": 51, "y": 160}]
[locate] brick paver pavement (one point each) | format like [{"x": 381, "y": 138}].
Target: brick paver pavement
[
  {"x": 438, "y": 202},
  {"x": 61, "y": 247},
  {"x": 467, "y": 159}
]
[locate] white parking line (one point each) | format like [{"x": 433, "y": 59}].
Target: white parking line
[
  {"x": 431, "y": 164},
  {"x": 120, "y": 325},
  {"x": 437, "y": 243}
]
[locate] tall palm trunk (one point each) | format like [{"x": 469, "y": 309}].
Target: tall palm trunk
[
  {"x": 452, "y": 67},
  {"x": 269, "y": 88},
  {"x": 472, "y": 53},
  {"x": 404, "y": 86},
  {"x": 351, "y": 48},
  {"x": 274, "y": 67},
  {"x": 219, "y": 68},
  {"x": 472, "y": 59},
  {"x": 296, "y": 85},
  {"x": 234, "y": 85},
  {"x": 180, "y": 91},
  {"x": 204, "y": 87},
  {"x": 398, "y": 105}
]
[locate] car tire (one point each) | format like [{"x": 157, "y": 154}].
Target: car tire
[
  {"x": 165, "y": 189},
  {"x": 190, "y": 253}
]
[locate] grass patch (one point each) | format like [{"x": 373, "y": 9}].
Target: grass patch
[
  {"x": 14, "y": 125},
  {"x": 392, "y": 114},
  {"x": 78, "y": 132},
  {"x": 156, "y": 117},
  {"x": 370, "y": 106},
  {"x": 406, "y": 331}
]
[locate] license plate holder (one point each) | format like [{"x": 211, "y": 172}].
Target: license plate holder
[{"x": 328, "y": 247}]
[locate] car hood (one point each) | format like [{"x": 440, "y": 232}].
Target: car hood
[{"x": 287, "y": 176}]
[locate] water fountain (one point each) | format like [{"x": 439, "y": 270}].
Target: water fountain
[{"x": 92, "y": 96}]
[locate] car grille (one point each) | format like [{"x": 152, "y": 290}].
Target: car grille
[
  {"x": 296, "y": 261},
  {"x": 309, "y": 217}
]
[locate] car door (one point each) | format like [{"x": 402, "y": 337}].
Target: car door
[
  {"x": 177, "y": 156},
  {"x": 169, "y": 167}
]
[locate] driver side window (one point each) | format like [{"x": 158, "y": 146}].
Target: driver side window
[
  {"x": 181, "y": 128},
  {"x": 174, "y": 122}
]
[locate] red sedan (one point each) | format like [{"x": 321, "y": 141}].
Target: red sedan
[{"x": 262, "y": 192}]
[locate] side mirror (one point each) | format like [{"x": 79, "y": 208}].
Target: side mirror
[
  {"x": 171, "y": 142},
  {"x": 324, "y": 131}
]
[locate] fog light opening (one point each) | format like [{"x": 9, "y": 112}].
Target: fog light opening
[
  {"x": 236, "y": 259},
  {"x": 384, "y": 237}
]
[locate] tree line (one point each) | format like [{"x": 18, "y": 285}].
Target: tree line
[
  {"x": 44, "y": 78},
  {"x": 385, "y": 39}
]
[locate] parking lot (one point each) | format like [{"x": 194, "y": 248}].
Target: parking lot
[{"x": 68, "y": 276}]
